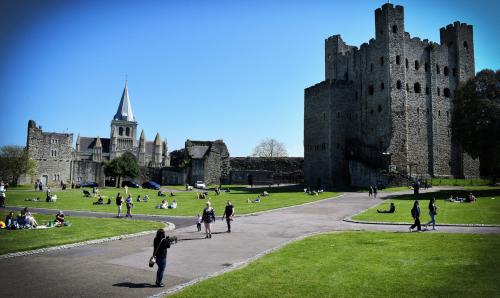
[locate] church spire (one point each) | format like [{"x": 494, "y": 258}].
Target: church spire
[{"x": 124, "y": 111}]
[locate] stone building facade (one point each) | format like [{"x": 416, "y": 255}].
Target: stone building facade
[
  {"x": 387, "y": 106},
  {"x": 59, "y": 162}
]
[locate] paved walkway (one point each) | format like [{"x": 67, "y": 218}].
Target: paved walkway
[{"x": 120, "y": 268}]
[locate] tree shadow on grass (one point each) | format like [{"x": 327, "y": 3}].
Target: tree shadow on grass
[{"x": 133, "y": 285}]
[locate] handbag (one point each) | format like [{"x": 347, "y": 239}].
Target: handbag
[{"x": 152, "y": 260}]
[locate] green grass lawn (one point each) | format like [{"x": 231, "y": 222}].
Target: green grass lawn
[
  {"x": 367, "y": 264},
  {"x": 458, "y": 182},
  {"x": 485, "y": 211},
  {"x": 187, "y": 202},
  {"x": 81, "y": 229}
]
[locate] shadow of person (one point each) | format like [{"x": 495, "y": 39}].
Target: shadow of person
[{"x": 132, "y": 285}]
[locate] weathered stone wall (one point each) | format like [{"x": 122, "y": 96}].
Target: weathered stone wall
[
  {"x": 173, "y": 176},
  {"x": 86, "y": 171},
  {"x": 398, "y": 102},
  {"x": 53, "y": 153},
  {"x": 267, "y": 170}
]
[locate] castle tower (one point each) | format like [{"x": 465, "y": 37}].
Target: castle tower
[
  {"x": 166, "y": 159},
  {"x": 123, "y": 126},
  {"x": 141, "y": 155},
  {"x": 157, "y": 158},
  {"x": 97, "y": 151}
]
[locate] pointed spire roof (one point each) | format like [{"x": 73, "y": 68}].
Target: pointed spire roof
[
  {"x": 157, "y": 139},
  {"x": 124, "y": 111},
  {"x": 98, "y": 143},
  {"x": 142, "y": 137},
  {"x": 78, "y": 139}
]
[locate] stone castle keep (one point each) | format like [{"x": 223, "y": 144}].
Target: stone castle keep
[
  {"x": 387, "y": 106},
  {"x": 57, "y": 161}
]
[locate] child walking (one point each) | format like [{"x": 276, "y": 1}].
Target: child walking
[{"x": 198, "y": 222}]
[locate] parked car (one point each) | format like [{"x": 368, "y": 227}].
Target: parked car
[
  {"x": 200, "y": 185},
  {"x": 89, "y": 184},
  {"x": 151, "y": 185},
  {"x": 130, "y": 184}
]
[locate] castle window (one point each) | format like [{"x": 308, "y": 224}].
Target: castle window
[
  {"x": 466, "y": 45},
  {"x": 120, "y": 131},
  {"x": 382, "y": 86},
  {"x": 324, "y": 116},
  {"x": 407, "y": 88},
  {"x": 381, "y": 60},
  {"x": 329, "y": 56},
  {"x": 406, "y": 62},
  {"x": 439, "y": 91},
  {"x": 356, "y": 95},
  {"x": 446, "y": 71},
  {"x": 371, "y": 112},
  {"x": 448, "y": 132},
  {"x": 346, "y": 76},
  {"x": 398, "y": 84},
  {"x": 426, "y": 67},
  {"x": 426, "y": 90},
  {"x": 454, "y": 72},
  {"x": 53, "y": 153},
  {"x": 127, "y": 131},
  {"x": 416, "y": 87},
  {"x": 439, "y": 113},
  {"x": 371, "y": 67},
  {"x": 427, "y": 111},
  {"x": 394, "y": 29},
  {"x": 379, "y": 108},
  {"x": 417, "y": 65},
  {"x": 338, "y": 145},
  {"x": 338, "y": 115},
  {"x": 370, "y": 90},
  {"x": 398, "y": 60},
  {"x": 418, "y": 111},
  {"x": 446, "y": 92},
  {"x": 437, "y": 69}
]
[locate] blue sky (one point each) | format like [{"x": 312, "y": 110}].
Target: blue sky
[{"x": 203, "y": 70}]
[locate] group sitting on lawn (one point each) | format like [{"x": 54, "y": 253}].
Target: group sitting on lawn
[
  {"x": 144, "y": 199},
  {"x": 469, "y": 199},
  {"x": 164, "y": 205},
  {"x": 24, "y": 220}
]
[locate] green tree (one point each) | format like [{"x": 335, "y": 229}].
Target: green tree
[
  {"x": 15, "y": 162},
  {"x": 123, "y": 166},
  {"x": 476, "y": 119}
]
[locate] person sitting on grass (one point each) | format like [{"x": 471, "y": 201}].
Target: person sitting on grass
[
  {"x": 173, "y": 205},
  {"x": 59, "y": 218},
  {"x": 99, "y": 201},
  {"x": 10, "y": 222},
  {"x": 257, "y": 200},
  {"x": 163, "y": 205},
  {"x": 264, "y": 194},
  {"x": 138, "y": 198},
  {"x": 248, "y": 200},
  {"x": 161, "y": 193},
  {"x": 392, "y": 209},
  {"x": 109, "y": 201},
  {"x": 145, "y": 199},
  {"x": 172, "y": 194},
  {"x": 29, "y": 218},
  {"x": 471, "y": 198}
]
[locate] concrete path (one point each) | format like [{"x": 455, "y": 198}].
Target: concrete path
[{"x": 120, "y": 268}]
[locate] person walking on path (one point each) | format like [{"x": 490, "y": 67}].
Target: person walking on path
[
  {"x": 119, "y": 203},
  {"x": 370, "y": 191},
  {"x": 160, "y": 245},
  {"x": 228, "y": 214},
  {"x": 208, "y": 218},
  {"x": 126, "y": 189},
  {"x": 415, "y": 213},
  {"x": 432, "y": 212},
  {"x": 198, "y": 222},
  {"x": 129, "y": 204},
  {"x": 375, "y": 192}
]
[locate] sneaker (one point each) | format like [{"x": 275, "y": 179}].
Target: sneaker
[
  {"x": 209, "y": 235},
  {"x": 160, "y": 285}
]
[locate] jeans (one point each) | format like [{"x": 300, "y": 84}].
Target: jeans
[
  {"x": 162, "y": 265},
  {"x": 433, "y": 219},
  {"x": 119, "y": 210},
  {"x": 228, "y": 221},
  {"x": 416, "y": 224}
]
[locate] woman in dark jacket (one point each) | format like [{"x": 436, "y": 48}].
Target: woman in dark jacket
[
  {"x": 208, "y": 218},
  {"x": 415, "y": 213},
  {"x": 160, "y": 244},
  {"x": 432, "y": 212}
]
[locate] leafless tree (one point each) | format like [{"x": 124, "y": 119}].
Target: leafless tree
[{"x": 270, "y": 148}]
